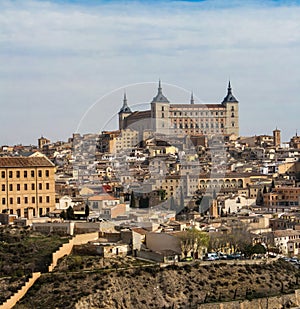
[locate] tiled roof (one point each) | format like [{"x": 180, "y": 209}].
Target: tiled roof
[
  {"x": 25, "y": 162},
  {"x": 193, "y": 106},
  {"x": 103, "y": 197}
]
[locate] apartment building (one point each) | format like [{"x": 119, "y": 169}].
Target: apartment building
[{"x": 27, "y": 186}]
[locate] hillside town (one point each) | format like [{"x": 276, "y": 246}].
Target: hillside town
[{"x": 159, "y": 194}]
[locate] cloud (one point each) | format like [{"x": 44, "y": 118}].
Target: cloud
[{"x": 59, "y": 57}]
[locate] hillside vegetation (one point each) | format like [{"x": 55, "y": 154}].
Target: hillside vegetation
[
  {"x": 21, "y": 253},
  {"x": 173, "y": 286}
]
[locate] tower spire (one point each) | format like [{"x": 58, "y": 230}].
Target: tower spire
[
  {"x": 160, "y": 97},
  {"x": 229, "y": 96},
  {"x": 125, "y": 108},
  {"x": 192, "y": 98},
  {"x": 159, "y": 86},
  {"x": 229, "y": 86}
]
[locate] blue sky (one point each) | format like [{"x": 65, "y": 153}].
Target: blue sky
[{"x": 59, "y": 57}]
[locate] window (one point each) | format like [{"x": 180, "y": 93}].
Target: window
[
  {"x": 18, "y": 174},
  {"x": 232, "y": 124},
  {"x": 40, "y": 186},
  {"x": 47, "y": 173},
  {"x": 3, "y": 201},
  {"x": 10, "y": 174},
  {"x": 10, "y": 187},
  {"x": 47, "y": 199},
  {"x": 32, "y": 173},
  {"x": 40, "y": 199},
  {"x": 162, "y": 108},
  {"x": 40, "y": 173},
  {"x": 47, "y": 186},
  {"x": 3, "y": 187},
  {"x": 3, "y": 174},
  {"x": 232, "y": 115},
  {"x": 25, "y": 186},
  {"x": 32, "y": 186},
  {"x": 26, "y": 200},
  {"x": 25, "y": 174},
  {"x": 18, "y": 200},
  {"x": 232, "y": 108},
  {"x": 33, "y": 200},
  {"x": 18, "y": 187},
  {"x": 11, "y": 200}
]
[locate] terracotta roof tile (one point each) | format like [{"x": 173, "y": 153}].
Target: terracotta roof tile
[{"x": 25, "y": 162}]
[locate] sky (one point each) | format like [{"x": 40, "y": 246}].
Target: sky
[{"x": 66, "y": 64}]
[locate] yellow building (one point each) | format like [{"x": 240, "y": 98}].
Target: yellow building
[
  {"x": 282, "y": 196},
  {"x": 27, "y": 186}
]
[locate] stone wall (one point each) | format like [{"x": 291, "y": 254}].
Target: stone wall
[
  {"x": 9, "y": 303},
  {"x": 65, "y": 249}
]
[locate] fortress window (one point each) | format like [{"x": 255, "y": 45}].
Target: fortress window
[
  {"x": 162, "y": 108},
  {"x": 162, "y": 115},
  {"x": 232, "y": 114},
  {"x": 232, "y": 108},
  {"x": 232, "y": 124}
]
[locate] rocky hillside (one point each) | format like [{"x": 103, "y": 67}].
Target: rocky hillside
[{"x": 149, "y": 286}]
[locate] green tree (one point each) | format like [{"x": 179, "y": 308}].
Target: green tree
[
  {"x": 63, "y": 215},
  {"x": 162, "y": 194},
  {"x": 193, "y": 240},
  {"x": 70, "y": 213},
  {"x": 132, "y": 200},
  {"x": 272, "y": 185},
  {"x": 258, "y": 249},
  {"x": 86, "y": 210}
]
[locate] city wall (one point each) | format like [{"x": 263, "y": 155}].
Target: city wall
[
  {"x": 65, "y": 249},
  {"x": 10, "y": 302}
]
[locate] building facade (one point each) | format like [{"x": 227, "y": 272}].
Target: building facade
[
  {"x": 188, "y": 118},
  {"x": 27, "y": 186}
]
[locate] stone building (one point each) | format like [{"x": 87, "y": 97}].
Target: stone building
[
  {"x": 27, "y": 186},
  {"x": 184, "y": 118}
]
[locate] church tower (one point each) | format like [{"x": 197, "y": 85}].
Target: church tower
[
  {"x": 124, "y": 112},
  {"x": 232, "y": 113},
  {"x": 277, "y": 138}
]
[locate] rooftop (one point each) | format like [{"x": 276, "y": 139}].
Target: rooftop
[{"x": 25, "y": 162}]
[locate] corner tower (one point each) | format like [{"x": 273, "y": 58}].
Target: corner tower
[
  {"x": 124, "y": 112},
  {"x": 160, "y": 111},
  {"x": 232, "y": 113}
]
